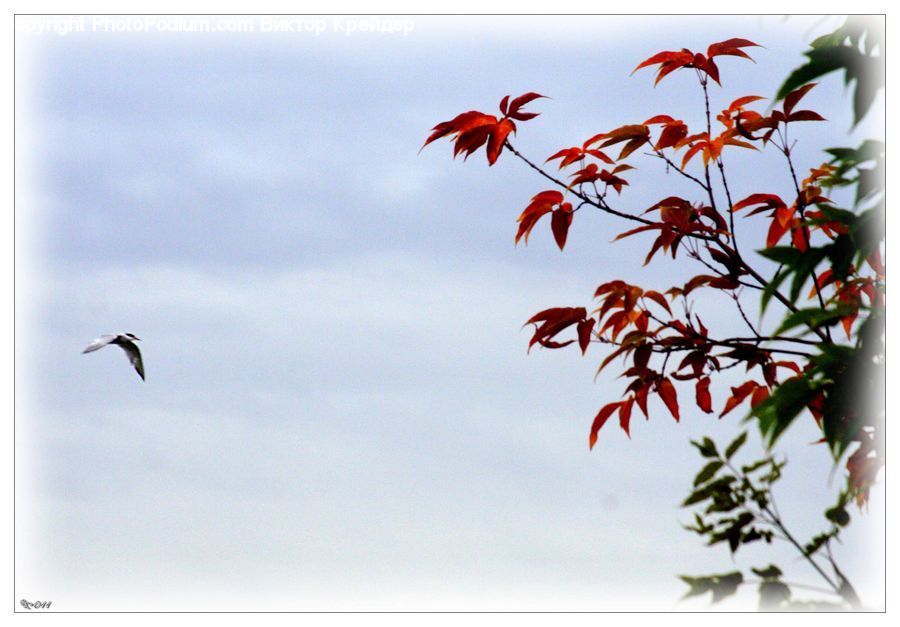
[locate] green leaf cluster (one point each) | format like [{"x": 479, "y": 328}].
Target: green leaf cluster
[
  {"x": 856, "y": 48},
  {"x": 736, "y": 506}
]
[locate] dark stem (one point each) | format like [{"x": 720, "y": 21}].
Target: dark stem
[
  {"x": 737, "y": 302},
  {"x": 659, "y": 153},
  {"x": 603, "y": 206},
  {"x": 801, "y": 209}
]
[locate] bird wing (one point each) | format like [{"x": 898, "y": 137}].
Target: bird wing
[
  {"x": 134, "y": 356},
  {"x": 99, "y": 343}
]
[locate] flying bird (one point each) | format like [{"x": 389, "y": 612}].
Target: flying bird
[{"x": 126, "y": 341}]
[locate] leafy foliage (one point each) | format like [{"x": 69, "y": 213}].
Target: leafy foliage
[
  {"x": 735, "y": 505},
  {"x": 824, "y": 358},
  {"x": 856, "y": 48}
]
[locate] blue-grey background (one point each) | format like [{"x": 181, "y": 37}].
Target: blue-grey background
[{"x": 339, "y": 411}]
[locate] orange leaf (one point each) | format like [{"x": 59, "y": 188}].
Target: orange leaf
[
  {"x": 499, "y": 133},
  {"x": 759, "y": 395},
  {"x": 659, "y": 299},
  {"x": 738, "y": 395},
  {"x": 567, "y": 156},
  {"x": 823, "y": 280},
  {"x": 600, "y": 419},
  {"x": 593, "y": 140},
  {"x": 730, "y": 47},
  {"x": 791, "y": 100},
  {"x": 745, "y": 100},
  {"x": 704, "y": 400},
  {"x": 584, "y": 333},
  {"x": 847, "y": 323},
  {"x": 805, "y": 116},
  {"x": 671, "y": 135},
  {"x": 518, "y": 103},
  {"x": 660, "y": 119},
  {"x": 462, "y": 123},
  {"x": 641, "y": 397},
  {"x": 785, "y": 216},
  {"x": 635, "y": 134},
  {"x": 541, "y": 204},
  {"x": 800, "y": 236},
  {"x": 776, "y": 232},
  {"x": 668, "y": 58},
  {"x": 693, "y": 150},
  {"x": 768, "y": 201},
  {"x": 550, "y": 322},
  {"x": 560, "y": 222},
  {"x": 669, "y": 396},
  {"x": 625, "y": 415}
]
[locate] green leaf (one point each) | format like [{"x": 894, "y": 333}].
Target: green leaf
[
  {"x": 841, "y": 50},
  {"x": 770, "y": 572},
  {"x": 776, "y": 413},
  {"x": 838, "y": 515},
  {"x": 708, "y": 472},
  {"x": 698, "y": 585},
  {"x": 721, "y": 586},
  {"x": 735, "y": 445},
  {"x": 841, "y": 252},
  {"x": 816, "y": 543},
  {"x": 868, "y": 231},
  {"x": 814, "y": 317},
  {"x": 726, "y": 585},
  {"x": 773, "y": 594},
  {"x": 866, "y": 70},
  {"x": 836, "y": 214},
  {"x": 821, "y": 61},
  {"x": 787, "y": 255},
  {"x": 697, "y": 496},
  {"x": 804, "y": 269},
  {"x": 754, "y": 466},
  {"x": 771, "y": 287},
  {"x": 707, "y": 448}
]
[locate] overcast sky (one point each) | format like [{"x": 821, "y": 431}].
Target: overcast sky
[{"x": 339, "y": 410}]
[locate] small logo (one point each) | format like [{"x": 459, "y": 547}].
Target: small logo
[{"x": 36, "y": 605}]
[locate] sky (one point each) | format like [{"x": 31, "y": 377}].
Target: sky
[{"x": 340, "y": 412}]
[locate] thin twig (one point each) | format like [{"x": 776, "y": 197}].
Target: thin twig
[
  {"x": 659, "y": 153},
  {"x": 737, "y": 301},
  {"x": 801, "y": 209},
  {"x": 790, "y": 538}
]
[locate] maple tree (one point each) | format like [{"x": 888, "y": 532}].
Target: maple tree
[{"x": 826, "y": 353}]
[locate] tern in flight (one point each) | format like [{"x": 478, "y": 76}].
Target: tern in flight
[{"x": 126, "y": 341}]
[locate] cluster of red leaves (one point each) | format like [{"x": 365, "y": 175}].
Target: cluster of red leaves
[
  {"x": 568, "y": 156},
  {"x": 849, "y": 293},
  {"x": 551, "y": 322},
  {"x": 591, "y": 173},
  {"x": 784, "y": 218},
  {"x": 678, "y": 218},
  {"x": 669, "y": 60},
  {"x": 550, "y": 201},
  {"x": 624, "y": 318},
  {"x": 863, "y": 466},
  {"x": 755, "y": 391},
  {"x": 473, "y": 129},
  {"x": 673, "y": 132},
  {"x": 623, "y": 306},
  {"x": 748, "y": 123}
]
